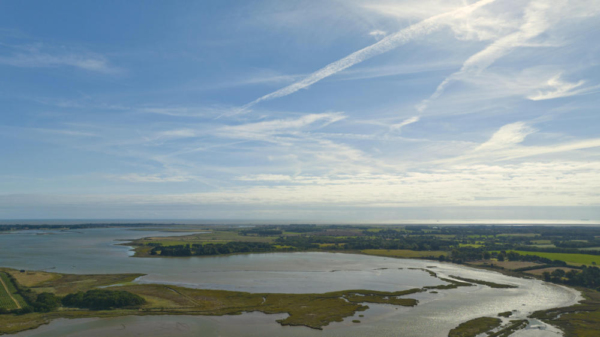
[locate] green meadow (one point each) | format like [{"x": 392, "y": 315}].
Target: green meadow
[{"x": 569, "y": 258}]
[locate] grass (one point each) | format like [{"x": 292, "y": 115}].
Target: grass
[
  {"x": 325, "y": 245},
  {"x": 510, "y": 265},
  {"x": 216, "y": 236},
  {"x": 590, "y": 248},
  {"x": 539, "y": 272},
  {"x": 444, "y": 236},
  {"x": 475, "y": 327},
  {"x": 474, "y": 245},
  {"x": 485, "y": 283},
  {"x": 512, "y": 327},
  {"x": 62, "y": 284},
  {"x": 310, "y": 310},
  {"x": 576, "y": 259},
  {"x": 6, "y": 300},
  {"x": 581, "y": 320},
  {"x": 32, "y": 278},
  {"x": 403, "y": 253},
  {"x": 525, "y": 235},
  {"x": 9, "y": 298},
  {"x": 542, "y": 246},
  {"x": 541, "y": 242}
]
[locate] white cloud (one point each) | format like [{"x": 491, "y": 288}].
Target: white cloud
[
  {"x": 398, "y": 126},
  {"x": 37, "y": 57},
  {"x": 150, "y": 178},
  {"x": 261, "y": 129},
  {"x": 378, "y": 34},
  {"x": 179, "y": 133},
  {"x": 266, "y": 177},
  {"x": 532, "y": 184},
  {"x": 535, "y": 23},
  {"x": 505, "y": 145},
  {"x": 388, "y": 43},
  {"x": 556, "y": 88},
  {"x": 507, "y": 136},
  {"x": 487, "y": 24}
]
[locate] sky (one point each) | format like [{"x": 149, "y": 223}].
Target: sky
[{"x": 357, "y": 111}]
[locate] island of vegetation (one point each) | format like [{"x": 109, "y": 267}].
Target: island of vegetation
[{"x": 44, "y": 296}]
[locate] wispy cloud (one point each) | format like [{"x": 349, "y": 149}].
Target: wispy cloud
[
  {"x": 535, "y": 23},
  {"x": 505, "y": 145},
  {"x": 266, "y": 128},
  {"x": 386, "y": 44},
  {"x": 36, "y": 56},
  {"x": 557, "y": 88},
  {"x": 508, "y": 135},
  {"x": 573, "y": 184},
  {"x": 151, "y": 178},
  {"x": 398, "y": 126},
  {"x": 377, "y": 34}
]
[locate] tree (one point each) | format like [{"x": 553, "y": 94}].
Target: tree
[
  {"x": 46, "y": 302},
  {"x": 546, "y": 276},
  {"x": 99, "y": 299}
]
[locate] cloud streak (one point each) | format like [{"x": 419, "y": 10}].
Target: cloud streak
[
  {"x": 505, "y": 144},
  {"x": 386, "y": 44},
  {"x": 535, "y": 23},
  {"x": 398, "y": 126},
  {"x": 34, "y": 57},
  {"x": 557, "y": 88}
]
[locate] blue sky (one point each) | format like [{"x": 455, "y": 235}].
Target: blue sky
[{"x": 324, "y": 111}]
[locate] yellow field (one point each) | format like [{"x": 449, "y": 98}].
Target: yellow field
[{"x": 31, "y": 278}]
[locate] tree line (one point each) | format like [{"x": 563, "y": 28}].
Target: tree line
[
  {"x": 213, "y": 249},
  {"x": 97, "y": 299}
]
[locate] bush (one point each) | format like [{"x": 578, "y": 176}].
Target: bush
[
  {"x": 102, "y": 300},
  {"x": 46, "y": 302}
]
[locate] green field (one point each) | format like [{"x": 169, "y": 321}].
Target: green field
[
  {"x": 541, "y": 242},
  {"x": 474, "y": 245},
  {"x": 526, "y": 235},
  {"x": 590, "y": 248},
  {"x": 6, "y": 298},
  {"x": 577, "y": 259},
  {"x": 213, "y": 237}
]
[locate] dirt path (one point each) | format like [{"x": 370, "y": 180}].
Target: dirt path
[
  {"x": 9, "y": 294},
  {"x": 184, "y": 296}
]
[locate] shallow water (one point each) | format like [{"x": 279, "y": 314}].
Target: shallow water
[{"x": 93, "y": 251}]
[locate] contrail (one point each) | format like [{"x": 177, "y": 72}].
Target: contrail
[
  {"x": 388, "y": 43},
  {"x": 534, "y": 25}
]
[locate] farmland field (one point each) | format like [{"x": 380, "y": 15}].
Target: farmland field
[
  {"x": 9, "y": 299},
  {"x": 578, "y": 259}
]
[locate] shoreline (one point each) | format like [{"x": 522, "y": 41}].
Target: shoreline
[
  {"x": 577, "y": 294},
  {"x": 121, "y": 313}
]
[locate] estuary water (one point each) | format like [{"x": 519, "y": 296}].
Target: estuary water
[{"x": 95, "y": 251}]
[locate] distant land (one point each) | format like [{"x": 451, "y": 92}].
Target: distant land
[{"x": 466, "y": 222}]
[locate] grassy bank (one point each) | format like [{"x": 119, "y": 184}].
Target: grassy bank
[
  {"x": 403, "y": 253},
  {"x": 310, "y": 310},
  {"x": 582, "y": 319}
]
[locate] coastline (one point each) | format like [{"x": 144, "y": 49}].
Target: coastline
[{"x": 45, "y": 319}]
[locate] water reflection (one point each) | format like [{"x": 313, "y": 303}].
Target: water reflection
[{"x": 93, "y": 251}]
